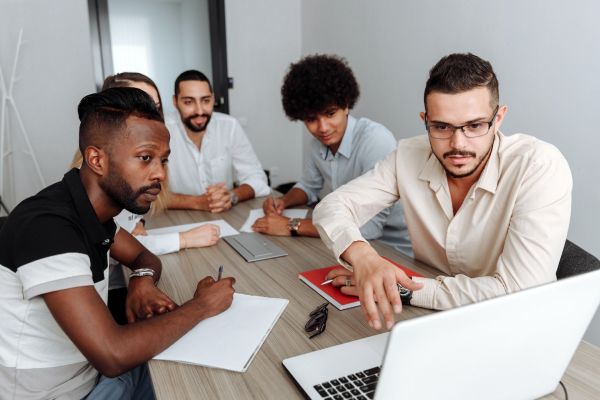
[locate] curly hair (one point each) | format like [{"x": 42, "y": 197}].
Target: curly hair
[{"x": 315, "y": 83}]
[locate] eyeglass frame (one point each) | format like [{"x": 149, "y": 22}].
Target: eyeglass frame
[
  {"x": 317, "y": 322},
  {"x": 462, "y": 127}
]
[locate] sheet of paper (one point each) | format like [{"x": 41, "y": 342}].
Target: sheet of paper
[
  {"x": 231, "y": 339},
  {"x": 259, "y": 213},
  {"x": 225, "y": 228}
]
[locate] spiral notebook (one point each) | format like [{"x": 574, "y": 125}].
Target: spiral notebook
[{"x": 341, "y": 301}]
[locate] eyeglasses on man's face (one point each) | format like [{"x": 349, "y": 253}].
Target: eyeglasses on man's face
[
  {"x": 442, "y": 130},
  {"x": 317, "y": 321}
]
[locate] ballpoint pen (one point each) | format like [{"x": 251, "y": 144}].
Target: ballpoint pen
[
  {"x": 273, "y": 199},
  {"x": 327, "y": 282},
  {"x": 220, "y": 274}
]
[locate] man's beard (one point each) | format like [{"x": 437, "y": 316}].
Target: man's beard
[
  {"x": 122, "y": 193},
  {"x": 464, "y": 153},
  {"x": 193, "y": 127}
]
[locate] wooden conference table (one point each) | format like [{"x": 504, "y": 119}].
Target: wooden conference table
[{"x": 266, "y": 377}]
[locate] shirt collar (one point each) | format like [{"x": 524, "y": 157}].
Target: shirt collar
[
  {"x": 98, "y": 233},
  {"x": 345, "y": 148},
  {"x": 434, "y": 172}
]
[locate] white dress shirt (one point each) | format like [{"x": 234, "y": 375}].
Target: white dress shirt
[
  {"x": 225, "y": 155},
  {"x": 507, "y": 235}
]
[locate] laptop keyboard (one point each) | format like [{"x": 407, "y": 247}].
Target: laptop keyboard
[{"x": 360, "y": 385}]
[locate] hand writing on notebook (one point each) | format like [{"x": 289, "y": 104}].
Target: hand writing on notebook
[
  {"x": 344, "y": 279},
  {"x": 218, "y": 197},
  {"x": 377, "y": 279},
  {"x": 273, "y": 205},
  {"x": 214, "y": 297},
  {"x": 201, "y": 236}
]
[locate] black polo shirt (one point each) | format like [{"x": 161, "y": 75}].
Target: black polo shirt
[
  {"x": 58, "y": 220},
  {"x": 51, "y": 241}
]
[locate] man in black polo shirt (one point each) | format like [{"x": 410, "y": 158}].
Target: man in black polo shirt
[{"x": 56, "y": 331}]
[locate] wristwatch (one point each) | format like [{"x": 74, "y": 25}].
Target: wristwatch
[
  {"x": 233, "y": 197},
  {"x": 293, "y": 225},
  {"x": 405, "y": 294}
]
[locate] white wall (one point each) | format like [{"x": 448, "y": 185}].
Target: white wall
[
  {"x": 263, "y": 38},
  {"x": 160, "y": 39},
  {"x": 546, "y": 55},
  {"x": 54, "y": 73}
]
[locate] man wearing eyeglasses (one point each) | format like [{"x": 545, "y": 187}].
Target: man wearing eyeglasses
[
  {"x": 489, "y": 211},
  {"x": 320, "y": 90}
]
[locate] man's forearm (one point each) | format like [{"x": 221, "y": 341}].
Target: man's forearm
[
  {"x": 244, "y": 192},
  {"x": 148, "y": 260},
  {"x": 178, "y": 201},
  {"x": 295, "y": 197}
]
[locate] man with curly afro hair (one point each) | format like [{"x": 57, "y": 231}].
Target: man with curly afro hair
[{"x": 320, "y": 90}]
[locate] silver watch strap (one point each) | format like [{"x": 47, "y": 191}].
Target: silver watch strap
[{"x": 142, "y": 272}]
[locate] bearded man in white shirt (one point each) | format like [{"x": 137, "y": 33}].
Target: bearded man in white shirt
[
  {"x": 489, "y": 211},
  {"x": 212, "y": 165}
]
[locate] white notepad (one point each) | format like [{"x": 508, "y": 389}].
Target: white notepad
[
  {"x": 231, "y": 339},
  {"x": 225, "y": 228},
  {"x": 259, "y": 213}
]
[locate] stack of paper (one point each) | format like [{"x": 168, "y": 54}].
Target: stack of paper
[{"x": 231, "y": 339}]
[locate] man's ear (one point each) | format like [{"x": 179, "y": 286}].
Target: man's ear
[
  {"x": 175, "y": 101},
  {"x": 96, "y": 159}
]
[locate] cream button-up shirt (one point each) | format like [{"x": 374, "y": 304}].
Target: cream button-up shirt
[
  {"x": 508, "y": 234},
  {"x": 226, "y": 155}
]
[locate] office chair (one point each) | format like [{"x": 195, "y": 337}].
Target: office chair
[{"x": 575, "y": 260}]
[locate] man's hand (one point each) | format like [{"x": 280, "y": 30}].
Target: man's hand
[
  {"x": 272, "y": 224},
  {"x": 145, "y": 300},
  {"x": 376, "y": 281},
  {"x": 344, "y": 279},
  {"x": 273, "y": 205},
  {"x": 218, "y": 198},
  {"x": 214, "y": 297},
  {"x": 201, "y": 236}
]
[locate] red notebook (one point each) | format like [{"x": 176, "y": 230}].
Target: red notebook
[{"x": 341, "y": 301}]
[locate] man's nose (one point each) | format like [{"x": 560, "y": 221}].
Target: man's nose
[
  {"x": 323, "y": 125},
  {"x": 458, "y": 138}
]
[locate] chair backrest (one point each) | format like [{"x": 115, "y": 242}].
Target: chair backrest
[{"x": 575, "y": 260}]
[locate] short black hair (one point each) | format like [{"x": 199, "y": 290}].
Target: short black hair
[
  {"x": 457, "y": 73},
  {"x": 315, "y": 83},
  {"x": 124, "y": 79},
  {"x": 103, "y": 114},
  {"x": 191, "y": 75}
]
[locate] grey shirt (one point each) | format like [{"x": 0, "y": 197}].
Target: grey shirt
[{"x": 364, "y": 144}]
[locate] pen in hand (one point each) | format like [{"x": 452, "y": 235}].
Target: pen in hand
[
  {"x": 327, "y": 282},
  {"x": 220, "y": 274}
]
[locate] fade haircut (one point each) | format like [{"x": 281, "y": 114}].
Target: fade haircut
[
  {"x": 191, "y": 75},
  {"x": 103, "y": 115},
  {"x": 457, "y": 73},
  {"x": 125, "y": 79},
  {"x": 315, "y": 83}
]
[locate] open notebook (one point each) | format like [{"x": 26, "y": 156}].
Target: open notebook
[{"x": 231, "y": 339}]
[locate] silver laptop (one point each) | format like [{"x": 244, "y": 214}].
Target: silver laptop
[
  {"x": 512, "y": 347},
  {"x": 254, "y": 246}
]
